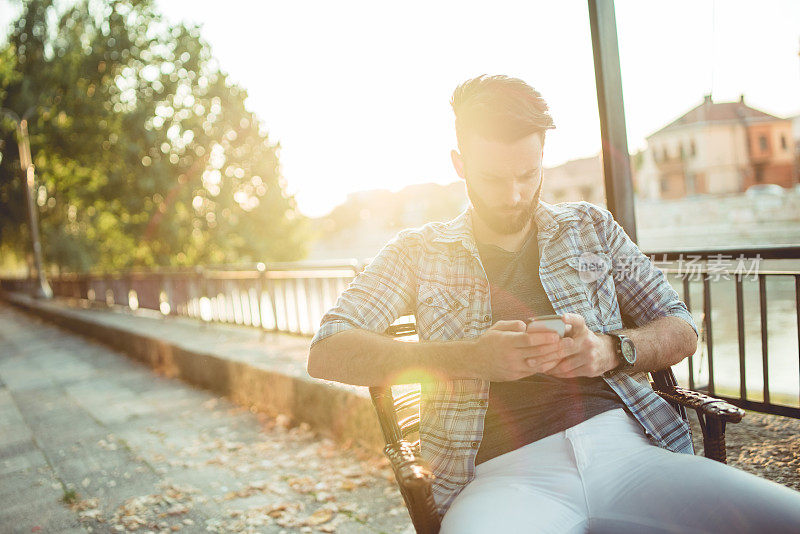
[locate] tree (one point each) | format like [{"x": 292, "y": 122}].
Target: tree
[{"x": 145, "y": 151}]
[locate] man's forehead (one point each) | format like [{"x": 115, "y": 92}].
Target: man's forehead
[
  {"x": 497, "y": 166},
  {"x": 500, "y": 157},
  {"x": 510, "y": 174}
]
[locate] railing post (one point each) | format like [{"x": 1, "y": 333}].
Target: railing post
[
  {"x": 261, "y": 283},
  {"x": 273, "y": 304},
  {"x": 109, "y": 299},
  {"x": 797, "y": 314},
  {"x": 319, "y": 290},
  {"x": 298, "y": 283},
  {"x": 709, "y": 333},
  {"x": 687, "y": 299},
  {"x": 740, "y": 337},
  {"x": 762, "y": 300},
  {"x": 203, "y": 290}
]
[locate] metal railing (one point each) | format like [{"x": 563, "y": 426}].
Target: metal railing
[
  {"x": 284, "y": 297},
  {"x": 726, "y": 365},
  {"x": 748, "y": 353}
]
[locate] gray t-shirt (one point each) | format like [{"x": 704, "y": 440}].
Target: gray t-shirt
[{"x": 523, "y": 411}]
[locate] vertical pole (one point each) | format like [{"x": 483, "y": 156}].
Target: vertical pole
[
  {"x": 616, "y": 161},
  {"x": 709, "y": 334},
  {"x": 797, "y": 309},
  {"x": 688, "y": 301},
  {"x": 762, "y": 306},
  {"x": 273, "y": 295},
  {"x": 41, "y": 289},
  {"x": 204, "y": 293},
  {"x": 261, "y": 285},
  {"x": 740, "y": 337}
]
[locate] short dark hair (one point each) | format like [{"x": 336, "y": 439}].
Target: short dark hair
[{"x": 499, "y": 108}]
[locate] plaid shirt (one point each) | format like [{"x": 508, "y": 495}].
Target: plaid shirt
[{"x": 435, "y": 273}]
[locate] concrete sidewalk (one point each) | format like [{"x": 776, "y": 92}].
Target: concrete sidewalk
[
  {"x": 92, "y": 441},
  {"x": 265, "y": 371}
]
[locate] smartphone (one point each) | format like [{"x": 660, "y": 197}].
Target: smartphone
[{"x": 548, "y": 322}]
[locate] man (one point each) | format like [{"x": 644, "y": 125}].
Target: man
[{"x": 527, "y": 431}]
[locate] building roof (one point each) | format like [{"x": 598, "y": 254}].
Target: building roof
[
  {"x": 710, "y": 111},
  {"x": 577, "y": 169}
]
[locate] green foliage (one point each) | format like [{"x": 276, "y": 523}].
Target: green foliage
[
  {"x": 145, "y": 152},
  {"x": 70, "y": 497}
]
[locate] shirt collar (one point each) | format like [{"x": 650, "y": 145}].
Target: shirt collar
[{"x": 548, "y": 218}]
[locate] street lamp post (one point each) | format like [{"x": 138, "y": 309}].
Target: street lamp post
[{"x": 41, "y": 289}]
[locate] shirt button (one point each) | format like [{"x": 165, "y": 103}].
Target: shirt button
[
  {"x": 481, "y": 402},
  {"x": 474, "y": 444},
  {"x": 429, "y": 300},
  {"x": 487, "y": 318}
]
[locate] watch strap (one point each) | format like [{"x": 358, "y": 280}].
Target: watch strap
[{"x": 622, "y": 363}]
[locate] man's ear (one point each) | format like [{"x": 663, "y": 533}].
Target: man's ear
[{"x": 458, "y": 163}]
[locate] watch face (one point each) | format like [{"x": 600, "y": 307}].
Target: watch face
[{"x": 628, "y": 351}]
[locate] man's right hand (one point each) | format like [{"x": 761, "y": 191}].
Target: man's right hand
[{"x": 508, "y": 352}]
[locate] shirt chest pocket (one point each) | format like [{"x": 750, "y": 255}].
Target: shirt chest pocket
[
  {"x": 442, "y": 313},
  {"x": 595, "y": 271}
]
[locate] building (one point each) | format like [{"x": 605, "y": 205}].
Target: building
[
  {"x": 719, "y": 148},
  {"x": 577, "y": 179},
  {"x": 360, "y": 226}
]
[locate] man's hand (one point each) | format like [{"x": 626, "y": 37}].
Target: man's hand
[
  {"x": 508, "y": 352},
  {"x": 583, "y": 352}
]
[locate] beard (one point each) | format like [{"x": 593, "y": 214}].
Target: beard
[{"x": 508, "y": 222}]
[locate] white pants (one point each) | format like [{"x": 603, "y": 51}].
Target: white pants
[{"x": 604, "y": 475}]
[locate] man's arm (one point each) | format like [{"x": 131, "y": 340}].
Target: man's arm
[
  {"x": 364, "y": 358},
  {"x": 643, "y": 291},
  {"x": 350, "y": 346},
  {"x": 660, "y": 343},
  {"x": 663, "y": 330},
  {"x": 349, "y": 340}
]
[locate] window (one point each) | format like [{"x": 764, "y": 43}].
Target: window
[
  {"x": 762, "y": 143},
  {"x": 666, "y": 155},
  {"x": 691, "y": 184},
  {"x": 783, "y": 142},
  {"x": 682, "y": 152},
  {"x": 664, "y": 184},
  {"x": 692, "y": 149}
]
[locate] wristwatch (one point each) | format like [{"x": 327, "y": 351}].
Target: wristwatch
[{"x": 625, "y": 350}]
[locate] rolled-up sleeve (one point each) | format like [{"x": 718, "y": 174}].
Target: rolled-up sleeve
[
  {"x": 643, "y": 291},
  {"x": 377, "y": 296}
]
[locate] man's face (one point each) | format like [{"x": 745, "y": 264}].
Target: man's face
[{"x": 503, "y": 180}]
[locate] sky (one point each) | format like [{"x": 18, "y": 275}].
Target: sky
[{"x": 357, "y": 92}]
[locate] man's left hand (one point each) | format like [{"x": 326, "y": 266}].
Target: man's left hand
[{"x": 585, "y": 352}]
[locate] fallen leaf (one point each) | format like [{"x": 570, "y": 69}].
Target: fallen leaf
[{"x": 323, "y": 515}]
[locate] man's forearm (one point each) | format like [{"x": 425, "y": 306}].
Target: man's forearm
[
  {"x": 365, "y": 358},
  {"x": 661, "y": 343}
]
